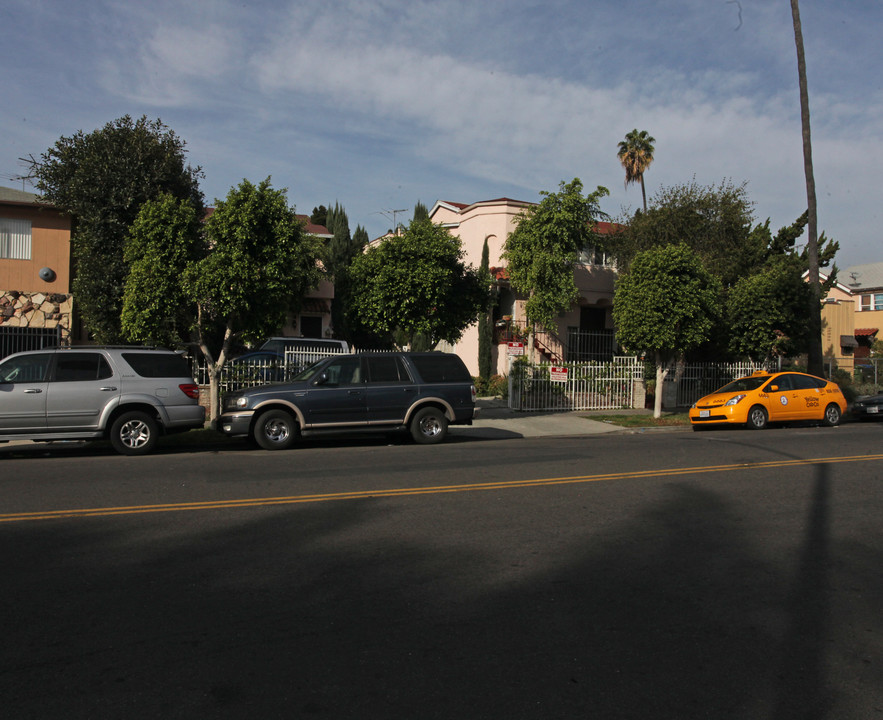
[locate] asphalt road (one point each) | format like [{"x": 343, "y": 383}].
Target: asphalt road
[{"x": 727, "y": 574}]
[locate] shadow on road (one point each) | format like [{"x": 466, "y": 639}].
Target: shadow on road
[{"x": 372, "y": 609}]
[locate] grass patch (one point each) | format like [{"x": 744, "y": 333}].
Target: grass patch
[{"x": 634, "y": 421}]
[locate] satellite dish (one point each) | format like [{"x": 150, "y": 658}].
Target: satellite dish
[{"x": 47, "y": 274}]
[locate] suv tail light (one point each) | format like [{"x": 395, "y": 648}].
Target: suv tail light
[
  {"x": 474, "y": 393},
  {"x": 191, "y": 390}
]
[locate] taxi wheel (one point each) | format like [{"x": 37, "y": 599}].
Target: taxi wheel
[
  {"x": 757, "y": 418},
  {"x": 832, "y": 415}
]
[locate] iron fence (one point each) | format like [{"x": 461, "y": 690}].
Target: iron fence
[
  {"x": 575, "y": 386},
  {"x": 869, "y": 371},
  {"x": 687, "y": 382},
  {"x": 19, "y": 339},
  {"x": 247, "y": 372}
]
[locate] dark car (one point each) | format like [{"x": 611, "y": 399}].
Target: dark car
[
  {"x": 868, "y": 407},
  {"x": 420, "y": 392}
]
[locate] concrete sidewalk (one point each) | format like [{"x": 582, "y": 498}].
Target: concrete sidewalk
[{"x": 495, "y": 420}]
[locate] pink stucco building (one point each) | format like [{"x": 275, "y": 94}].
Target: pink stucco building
[{"x": 579, "y": 328}]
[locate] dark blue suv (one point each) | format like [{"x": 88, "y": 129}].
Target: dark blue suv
[{"x": 420, "y": 392}]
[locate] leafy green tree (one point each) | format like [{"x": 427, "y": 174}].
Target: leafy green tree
[
  {"x": 767, "y": 313},
  {"x": 714, "y": 221},
  {"x": 485, "y": 327},
  {"x": 664, "y": 306},
  {"x": 766, "y": 309},
  {"x": 414, "y": 284},
  {"x": 164, "y": 241},
  {"x": 260, "y": 264},
  {"x": 717, "y": 223},
  {"x": 636, "y": 154},
  {"x": 103, "y": 178},
  {"x": 543, "y": 249}
]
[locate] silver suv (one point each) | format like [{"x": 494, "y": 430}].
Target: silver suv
[{"x": 128, "y": 395}]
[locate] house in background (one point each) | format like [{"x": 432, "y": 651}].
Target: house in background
[
  {"x": 36, "y": 305},
  {"x": 584, "y": 332},
  {"x": 36, "y": 272},
  {"x": 865, "y": 283},
  {"x": 852, "y": 314},
  {"x": 314, "y": 318}
]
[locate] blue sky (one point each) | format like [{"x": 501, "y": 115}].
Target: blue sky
[{"x": 379, "y": 104}]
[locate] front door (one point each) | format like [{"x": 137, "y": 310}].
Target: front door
[
  {"x": 783, "y": 402},
  {"x": 338, "y": 397},
  {"x": 23, "y": 393}
]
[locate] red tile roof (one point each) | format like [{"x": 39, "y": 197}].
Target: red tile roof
[{"x": 865, "y": 332}]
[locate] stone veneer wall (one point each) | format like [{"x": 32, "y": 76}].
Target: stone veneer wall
[{"x": 37, "y": 310}]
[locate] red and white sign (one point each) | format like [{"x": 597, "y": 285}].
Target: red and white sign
[
  {"x": 516, "y": 348},
  {"x": 558, "y": 374}
]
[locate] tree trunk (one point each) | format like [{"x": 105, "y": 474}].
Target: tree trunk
[
  {"x": 662, "y": 366},
  {"x": 214, "y": 394},
  {"x": 814, "y": 350},
  {"x": 215, "y": 368}
]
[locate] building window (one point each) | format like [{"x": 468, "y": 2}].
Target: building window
[
  {"x": 15, "y": 239},
  {"x": 593, "y": 256},
  {"x": 871, "y": 302},
  {"x": 878, "y": 301}
]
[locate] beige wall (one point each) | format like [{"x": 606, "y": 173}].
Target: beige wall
[
  {"x": 838, "y": 319},
  {"x": 50, "y": 247},
  {"x": 868, "y": 318}
]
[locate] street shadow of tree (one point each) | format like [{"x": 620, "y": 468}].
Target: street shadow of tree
[{"x": 387, "y": 608}]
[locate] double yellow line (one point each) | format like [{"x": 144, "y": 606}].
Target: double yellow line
[{"x": 432, "y": 490}]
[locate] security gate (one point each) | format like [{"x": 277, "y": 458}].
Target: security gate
[
  {"x": 17, "y": 339},
  {"x": 575, "y": 386}
]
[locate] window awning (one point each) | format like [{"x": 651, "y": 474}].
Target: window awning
[
  {"x": 314, "y": 306},
  {"x": 848, "y": 341}
]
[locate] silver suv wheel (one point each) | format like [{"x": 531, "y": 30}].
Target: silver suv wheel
[{"x": 133, "y": 433}]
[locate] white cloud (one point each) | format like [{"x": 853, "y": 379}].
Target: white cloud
[{"x": 387, "y": 101}]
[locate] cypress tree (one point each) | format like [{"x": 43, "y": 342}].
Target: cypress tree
[{"x": 485, "y": 328}]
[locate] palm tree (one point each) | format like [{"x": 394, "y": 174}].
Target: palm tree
[
  {"x": 815, "y": 361},
  {"x": 636, "y": 154}
]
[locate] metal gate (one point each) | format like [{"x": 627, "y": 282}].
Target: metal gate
[
  {"x": 575, "y": 386},
  {"x": 17, "y": 339},
  {"x": 695, "y": 380}
]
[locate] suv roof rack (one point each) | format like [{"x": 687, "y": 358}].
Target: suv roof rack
[{"x": 110, "y": 347}]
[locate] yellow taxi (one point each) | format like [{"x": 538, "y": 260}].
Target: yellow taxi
[{"x": 763, "y": 398}]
